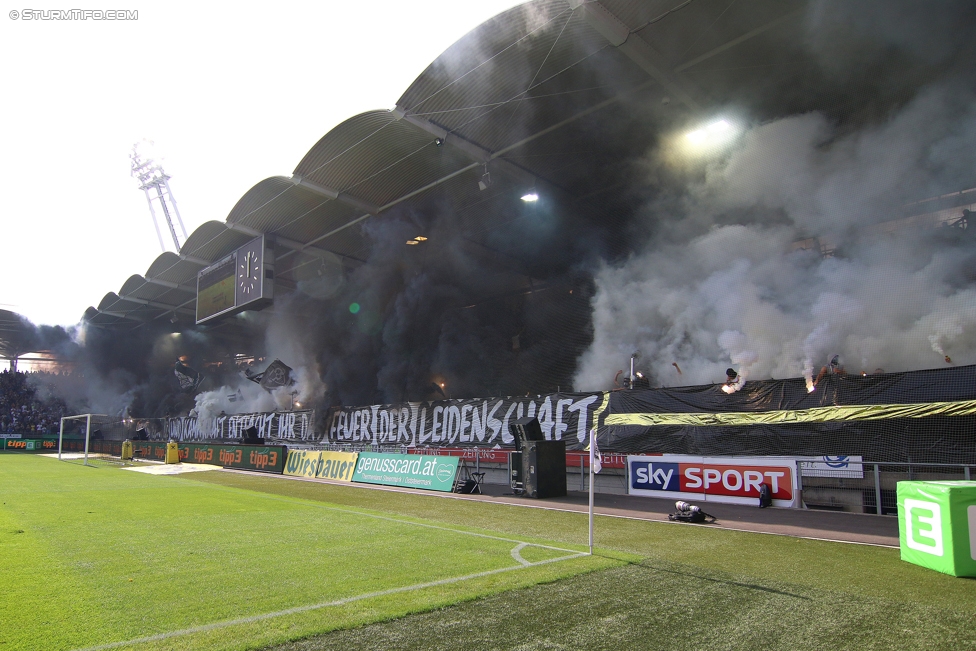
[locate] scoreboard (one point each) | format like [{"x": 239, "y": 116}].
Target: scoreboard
[{"x": 242, "y": 280}]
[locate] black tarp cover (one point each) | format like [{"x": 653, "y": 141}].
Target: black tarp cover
[{"x": 920, "y": 416}]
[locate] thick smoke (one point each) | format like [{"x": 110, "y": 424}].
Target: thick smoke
[
  {"x": 724, "y": 282},
  {"x": 285, "y": 339},
  {"x": 502, "y": 299}
]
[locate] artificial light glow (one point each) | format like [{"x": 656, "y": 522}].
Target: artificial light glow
[
  {"x": 443, "y": 385},
  {"x": 718, "y": 127},
  {"x": 420, "y": 238},
  {"x": 532, "y": 196},
  {"x": 413, "y": 242},
  {"x": 711, "y": 136},
  {"x": 298, "y": 404}
]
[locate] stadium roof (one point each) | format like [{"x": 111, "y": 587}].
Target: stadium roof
[
  {"x": 546, "y": 95},
  {"x": 16, "y": 335}
]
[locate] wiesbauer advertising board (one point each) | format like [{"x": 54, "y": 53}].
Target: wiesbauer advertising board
[{"x": 321, "y": 464}]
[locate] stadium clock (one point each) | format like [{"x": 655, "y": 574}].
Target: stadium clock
[{"x": 248, "y": 273}]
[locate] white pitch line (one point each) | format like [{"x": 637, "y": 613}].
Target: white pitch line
[
  {"x": 339, "y": 509},
  {"x": 338, "y": 602}
]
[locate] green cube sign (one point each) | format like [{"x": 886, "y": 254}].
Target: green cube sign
[
  {"x": 410, "y": 470},
  {"x": 937, "y": 525}
]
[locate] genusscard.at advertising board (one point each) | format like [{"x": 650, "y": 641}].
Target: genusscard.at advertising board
[
  {"x": 732, "y": 480},
  {"x": 409, "y": 470}
]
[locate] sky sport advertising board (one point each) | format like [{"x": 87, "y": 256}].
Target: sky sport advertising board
[
  {"x": 733, "y": 480},
  {"x": 434, "y": 473}
]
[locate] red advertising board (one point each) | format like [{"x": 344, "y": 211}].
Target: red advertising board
[{"x": 715, "y": 479}]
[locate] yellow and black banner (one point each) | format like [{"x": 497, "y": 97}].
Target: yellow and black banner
[
  {"x": 918, "y": 417},
  {"x": 799, "y": 416},
  {"x": 319, "y": 464}
]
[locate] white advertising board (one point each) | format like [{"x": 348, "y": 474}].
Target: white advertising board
[{"x": 733, "y": 480}]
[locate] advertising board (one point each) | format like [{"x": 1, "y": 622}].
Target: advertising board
[
  {"x": 32, "y": 445},
  {"x": 321, "y": 464},
  {"x": 500, "y": 455},
  {"x": 840, "y": 465},
  {"x": 429, "y": 472},
  {"x": 733, "y": 480},
  {"x": 267, "y": 458}
]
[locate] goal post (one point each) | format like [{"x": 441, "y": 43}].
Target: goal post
[{"x": 99, "y": 421}]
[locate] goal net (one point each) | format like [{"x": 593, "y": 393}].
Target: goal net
[{"x": 91, "y": 437}]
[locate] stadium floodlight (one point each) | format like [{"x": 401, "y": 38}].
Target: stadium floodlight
[
  {"x": 147, "y": 169},
  {"x": 710, "y": 137},
  {"x": 485, "y": 181}
]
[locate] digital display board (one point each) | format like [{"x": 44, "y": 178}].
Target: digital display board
[
  {"x": 243, "y": 280},
  {"x": 215, "y": 288}
]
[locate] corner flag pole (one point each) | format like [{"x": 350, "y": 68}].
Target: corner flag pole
[{"x": 592, "y": 436}]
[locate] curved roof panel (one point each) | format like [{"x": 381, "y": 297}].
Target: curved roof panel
[
  {"x": 552, "y": 92},
  {"x": 279, "y": 206}
]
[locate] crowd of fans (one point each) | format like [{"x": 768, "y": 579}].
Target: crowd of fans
[{"x": 21, "y": 409}]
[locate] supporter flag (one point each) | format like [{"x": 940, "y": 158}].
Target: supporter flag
[
  {"x": 597, "y": 463},
  {"x": 189, "y": 378},
  {"x": 278, "y": 374}
]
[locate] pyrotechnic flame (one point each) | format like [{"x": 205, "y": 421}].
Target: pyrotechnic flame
[{"x": 728, "y": 388}]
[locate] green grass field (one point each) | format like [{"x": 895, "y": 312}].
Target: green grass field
[
  {"x": 231, "y": 561},
  {"x": 109, "y": 558}
]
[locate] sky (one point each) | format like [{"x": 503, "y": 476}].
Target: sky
[{"x": 229, "y": 96}]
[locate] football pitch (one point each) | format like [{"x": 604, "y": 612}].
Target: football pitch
[{"x": 103, "y": 558}]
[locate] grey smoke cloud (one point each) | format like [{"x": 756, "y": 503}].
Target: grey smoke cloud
[{"x": 885, "y": 300}]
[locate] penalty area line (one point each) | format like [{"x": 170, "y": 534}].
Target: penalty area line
[{"x": 337, "y": 602}]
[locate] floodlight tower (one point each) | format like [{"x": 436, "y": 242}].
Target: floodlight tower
[{"x": 149, "y": 172}]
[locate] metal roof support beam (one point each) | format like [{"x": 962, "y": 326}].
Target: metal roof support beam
[
  {"x": 170, "y": 285},
  {"x": 118, "y": 315},
  {"x": 161, "y": 306},
  {"x": 294, "y": 245},
  {"x": 253, "y": 232},
  {"x": 742, "y": 39},
  {"x": 342, "y": 197},
  {"x": 636, "y": 49},
  {"x": 494, "y": 156},
  {"x": 195, "y": 260},
  {"x": 475, "y": 151}
]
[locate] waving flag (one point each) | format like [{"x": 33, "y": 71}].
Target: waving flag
[{"x": 597, "y": 463}]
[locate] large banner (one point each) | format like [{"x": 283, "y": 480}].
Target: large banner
[
  {"x": 918, "y": 417},
  {"x": 288, "y": 425},
  {"x": 466, "y": 423},
  {"x": 321, "y": 465},
  {"x": 435, "y": 473},
  {"x": 733, "y": 480}
]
